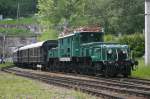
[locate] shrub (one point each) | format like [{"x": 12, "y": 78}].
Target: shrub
[
  {"x": 16, "y": 32},
  {"x": 109, "y": 38},
  {"x": 136, "y": 43}
]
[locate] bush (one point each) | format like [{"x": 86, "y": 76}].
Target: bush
[
  {"x": 110, "y": 38},
  {"x": 136, "y": 43},
  {"x": 16, "y": 32},
  {"x": 49, "y": 34}
]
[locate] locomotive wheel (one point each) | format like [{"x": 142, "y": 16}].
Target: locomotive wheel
[
  {"x": 125, "y": 75},
  {"x": 106, "y": 72},
  {"x": 127, "y": 71},
  {"x": 113, "y": 72},
  {"x": 97, "y": 68}
]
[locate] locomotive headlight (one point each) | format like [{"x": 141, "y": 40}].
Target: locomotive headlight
[
  {"x": 124, "y": 52},
  {"x": 110, "y": 51}
]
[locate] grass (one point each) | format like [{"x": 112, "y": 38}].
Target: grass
[
  {"x": 47, "y": 35},
  {"x": 16, "y": 32},
  {"x": 14, "y": 87},
  {"x": 21, "y": 21},
  {"x": 6, "y": 64},
  {"x": 142, "y": 70}
]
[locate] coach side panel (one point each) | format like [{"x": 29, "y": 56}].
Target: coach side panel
[{"x": 36, "y": 55}]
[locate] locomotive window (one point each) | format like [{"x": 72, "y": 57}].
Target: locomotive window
[
  {"x": 68, "y": 40},
  {"x": 68, "y": 50},
  {"x": 91, "y": 37},
  {"x": 122, "y": 54},
  {"x": 97, "y": 50},
  {"x": 87, "y": 52},
  {"x": 62, "y": 41}
]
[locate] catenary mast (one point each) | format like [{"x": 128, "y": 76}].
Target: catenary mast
[{"x": 147, "y": 32}]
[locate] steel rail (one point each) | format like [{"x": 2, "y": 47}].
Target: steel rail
[
  {"x": 124, "y": 90},
  {"x": 65, "y": 84}
]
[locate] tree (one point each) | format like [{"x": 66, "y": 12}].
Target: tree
[
  {"x": 126, "y": 16},
  {"x": 116, "y": 16},
  {"x": 8, "y": 8}
]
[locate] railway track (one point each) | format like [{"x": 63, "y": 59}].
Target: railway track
[
  {"x": 130, "y": 80},
  {"x": 106, "y": 88}
]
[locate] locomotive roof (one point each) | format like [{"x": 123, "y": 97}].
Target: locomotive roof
[
  {"x": 66, "y": 35},
  {"x": 75, "y": 32},
  {"x": 68, "y": 32}
]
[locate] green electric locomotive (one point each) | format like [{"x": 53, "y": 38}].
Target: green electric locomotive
[{"x": 84, "y": 51}]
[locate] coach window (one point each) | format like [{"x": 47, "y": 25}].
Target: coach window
[
  {"x": 36, "y": 52},
  {"x": 32, "y": 52},
  {"x": 40, "y": 51},
  {"x": 25, "y": 52}
]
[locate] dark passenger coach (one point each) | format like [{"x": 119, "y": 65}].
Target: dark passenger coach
[{"x": 33, "y": 54}]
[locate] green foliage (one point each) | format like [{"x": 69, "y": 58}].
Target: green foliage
[
  {"x": 8, "y": 8},
  {"x": 136, "y": 43},
  {"x": 48, "y": 35},
  {"x": 15, "y": 32},
  {"x": 125, "y": 16},
  {"x": 110, "y": 38},
  {"x": 116, "y": 16},
  {"x": 6, "y": 64},
  {"x": 142, "y": 71}
]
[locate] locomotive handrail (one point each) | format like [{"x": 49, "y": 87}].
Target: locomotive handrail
[{"x": 84, "y": 44}]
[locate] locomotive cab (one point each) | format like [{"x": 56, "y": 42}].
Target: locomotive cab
[{"x": 87, "y": 37}]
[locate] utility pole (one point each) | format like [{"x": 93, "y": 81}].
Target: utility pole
[
  {"x": 147, "y": 32},
  {"x": 4, "y": 46},
  {"x": 18, "y": 11}
]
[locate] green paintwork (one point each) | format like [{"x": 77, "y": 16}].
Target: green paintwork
[
  {"x": 70, "y": 46},
  {"x": 99, "y": 50},
  {"x": 87, "y": 44},
  {"x": 53, "y": 53}
]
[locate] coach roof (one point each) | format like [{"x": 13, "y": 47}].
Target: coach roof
[
  {"x": 34, "y": 45},
  {"x": 39, "y": 44}
]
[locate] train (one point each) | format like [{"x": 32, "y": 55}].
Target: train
[{"x": 81, "y": 51}]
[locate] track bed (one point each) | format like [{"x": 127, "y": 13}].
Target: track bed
[{"x": 121, "y": 88}]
